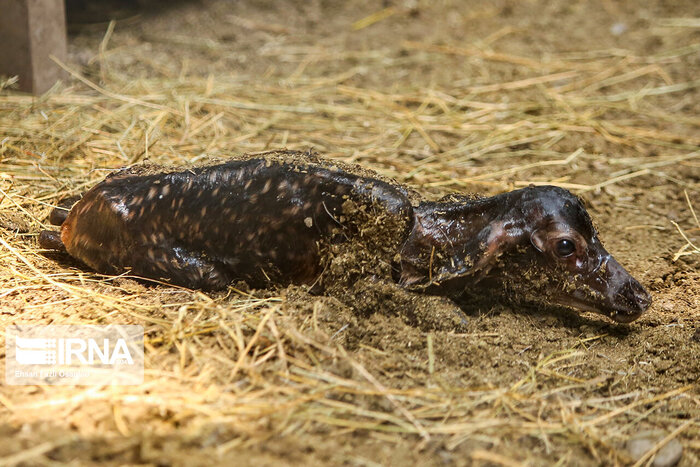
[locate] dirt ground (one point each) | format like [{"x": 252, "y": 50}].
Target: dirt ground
[{"x": 599, "y": 97}]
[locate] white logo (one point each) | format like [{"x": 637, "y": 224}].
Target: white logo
[
  {"x": 85, "y": 351},
  {"x": 35, "y": 351},
  {"x": 74, "y": 354}
]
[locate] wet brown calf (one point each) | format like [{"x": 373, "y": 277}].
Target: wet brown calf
[{"x": 268, "y": 219}]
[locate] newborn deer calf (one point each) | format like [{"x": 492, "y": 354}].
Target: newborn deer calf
[{"x": 270, "y": 219}]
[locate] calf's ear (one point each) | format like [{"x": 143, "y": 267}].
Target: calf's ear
[
  {"x": 471, "y": 256},
  {"x": 410, "y": 276}
]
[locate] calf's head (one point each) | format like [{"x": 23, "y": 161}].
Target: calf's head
[{"x": 548, "y": 251}]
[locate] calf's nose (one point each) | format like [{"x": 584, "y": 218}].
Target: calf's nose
[
  {"x": 635, "y": 297},
  {"x": 640, "y": 296}
]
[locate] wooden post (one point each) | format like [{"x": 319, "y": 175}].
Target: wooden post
[{"x": 30, "y": 32}]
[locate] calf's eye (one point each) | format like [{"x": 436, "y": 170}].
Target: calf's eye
[{"x": 565, "y": 248}]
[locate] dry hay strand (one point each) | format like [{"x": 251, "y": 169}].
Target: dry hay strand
[{"x": 689, "y": 248}]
